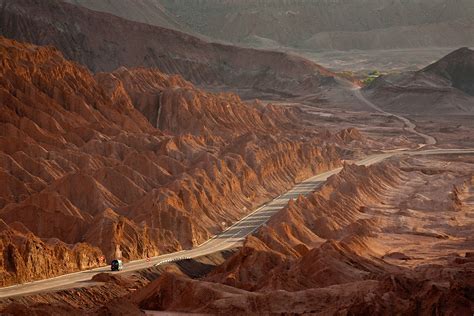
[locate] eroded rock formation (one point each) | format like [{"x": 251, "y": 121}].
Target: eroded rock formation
[
  {"x": 135, "y": 161},
  {"x": 332, "y": 252}
]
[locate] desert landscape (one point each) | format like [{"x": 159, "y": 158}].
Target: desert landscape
[
  {"x": 236, "y": 157},
  {"x": 384, "y": 35}
]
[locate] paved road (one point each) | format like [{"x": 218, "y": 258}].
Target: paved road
[{"x": 230, "y": 238}]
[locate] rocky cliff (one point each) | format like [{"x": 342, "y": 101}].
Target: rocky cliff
[{"x": 26, "y": 257}]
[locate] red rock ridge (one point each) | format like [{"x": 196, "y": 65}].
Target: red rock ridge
[
  {"x": 280, "y": 272},
  {"x": 81, "y": 163},
  {"x": 321, "y": 239}
]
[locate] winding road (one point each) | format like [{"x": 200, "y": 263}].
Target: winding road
[
  {"x": 235, "y": 234},
  {"x": 409, "y": 125},
  {"x": 228, "y": 239}
]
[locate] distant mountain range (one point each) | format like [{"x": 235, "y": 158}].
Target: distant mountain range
[
  {"x": 104, "y": 42},
  {"x": 307, "y": 24}
]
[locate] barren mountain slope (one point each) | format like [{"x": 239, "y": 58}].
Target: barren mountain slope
[
  {"x": 343, "y": 25},
  {"x": 445, "y": 87},
  {"x": 145, "y": 11},
  {"x": 457, "y": 68},
  {"x": 104, "y": 42},
  {"x": 81, "y": 160}
]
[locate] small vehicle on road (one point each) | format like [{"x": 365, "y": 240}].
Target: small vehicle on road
[{"x": 116, "y": 265}]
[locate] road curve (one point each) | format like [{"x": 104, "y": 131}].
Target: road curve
[
  {"x": 228, "y": 239},
  {"x": 409, "y": 125}
]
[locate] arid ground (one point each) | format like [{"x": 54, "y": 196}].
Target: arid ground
[{"x": 123, "y": 137}]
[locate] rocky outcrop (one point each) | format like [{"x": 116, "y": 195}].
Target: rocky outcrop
[
  {"x": 402, "y": 294},
  {"x": 175, "y": 105},
  {"x": 333, "y": 212},
  {"x": 456, "y": 197},
  {"x": 331, "y": 221},
  {"x": 348, "y": 135}
]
